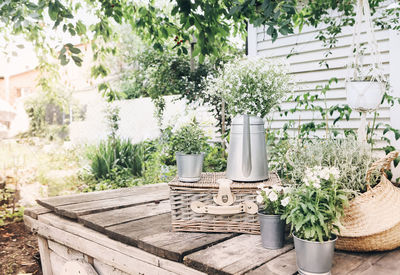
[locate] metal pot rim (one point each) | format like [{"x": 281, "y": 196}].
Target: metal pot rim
[
  {"x": 268, "y": 215},
  {"x": 317, "y": 242},
  {"x": 183, "y": 154}
]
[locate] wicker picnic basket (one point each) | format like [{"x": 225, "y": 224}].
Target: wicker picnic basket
[
  {"x": 372, "y": 220},
  {"x": 216, "y": 204}
]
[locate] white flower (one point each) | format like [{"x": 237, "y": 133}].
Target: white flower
[
  {"x": 287, "y": 190},
  {"x": 334, "y": 172},
  {"x": 277, "y": 188},
  {"x": 317, "y": 185},
  {"x": 324, "y": 173},
  {"x": 267, "y": 191},
  {"x": 259, "y": 199},
  {"x": 272, "y": 196},
  {"x": 285, "y": 201}
]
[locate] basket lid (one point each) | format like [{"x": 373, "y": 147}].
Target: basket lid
[{"x": 209, "y": 180}]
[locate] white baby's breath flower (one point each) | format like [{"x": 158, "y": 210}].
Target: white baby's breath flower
[
  {"x": 272, "y": 196},
  {"x": 317, "y": 185},
  {"x": 285, "y": 201}
]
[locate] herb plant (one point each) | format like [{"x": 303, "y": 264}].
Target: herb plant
[
  {"x": 352, "y": 158},
  {"x": 250, "y": 86},
  {"x": 273, "y": 199},
  {"x": 189, "y": 139},
  {"x": 316, "y": 206}
]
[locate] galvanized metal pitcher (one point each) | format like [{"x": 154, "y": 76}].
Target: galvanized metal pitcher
[{"x": 247, "y": 158}]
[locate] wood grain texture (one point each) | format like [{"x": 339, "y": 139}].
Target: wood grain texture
[
  {"x": 235, "y": 256},
  {"x": 53, "y": 202},
  {"x": 34, "y": 212},
  {"x": 103, "y": 242},
  {"x": 99, "y": 221},
  {"x": 284, "y": 264},
  {"x": 45, "y": 256},
  {"x": 153, "y": 234},
  {"x": 75, "y": 210}
]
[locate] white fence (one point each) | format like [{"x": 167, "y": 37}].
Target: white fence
[
  {"x": 306, "y": 54},
  {"x": 137, "y": 118}
]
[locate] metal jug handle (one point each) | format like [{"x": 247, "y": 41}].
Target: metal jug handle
[{"x": 246, "y": 154}]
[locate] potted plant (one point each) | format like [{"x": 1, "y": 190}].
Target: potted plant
[
  {"x": 250, "y": 88},
  {"x": 364, "y": 94},
  {"x": 273, "y": 201},
  {"x": 314, "y": 212},
  {"x": 188, "y": 143}
]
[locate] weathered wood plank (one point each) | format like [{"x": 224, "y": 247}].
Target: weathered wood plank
[
  {"x": 57, "y": 263},
  {"x": 284, "y": 264},
  {"x": 73, "y": 211},
  {"x": 235, "y": 256},
  {"x": 34, "y": 212},
  {"x": 153, "y": 234},
  {"x": 104, "y": 269},
  {"x": 101, "y": 220},
  {"x": 44, "y": 255},
  {"x": 380, "y": 263},
  {"x": 107, "y": 255},
  {"x": 65, "y": 252},
  {"x": 53, "y": 202},
  {"x": 103, "y": 241}
]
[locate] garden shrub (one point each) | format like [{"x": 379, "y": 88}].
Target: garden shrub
[{"x": 112, "y": 156}]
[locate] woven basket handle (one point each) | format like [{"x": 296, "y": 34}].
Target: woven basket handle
[{"x": 381, "y": 164}]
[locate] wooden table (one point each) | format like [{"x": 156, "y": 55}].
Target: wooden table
[{"x": 127, "y": 231}]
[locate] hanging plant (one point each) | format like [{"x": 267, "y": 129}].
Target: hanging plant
[{"x": 366, "y": 87}]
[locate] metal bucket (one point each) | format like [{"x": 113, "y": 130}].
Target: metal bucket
[
  {"x": 247, "y": 156},
  {"x": 314, "y": 257},
  {"x": 189, "y": 166},
  {"x": 272, "y": 231}
]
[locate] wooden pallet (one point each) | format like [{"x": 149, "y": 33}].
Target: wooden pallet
[{"x": 128, "y": 231}]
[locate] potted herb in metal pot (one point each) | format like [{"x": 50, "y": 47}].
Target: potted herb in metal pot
[
  {"x": 189, "y": 143},
  {"x": 314, "y": 212},
  {"x": 273, "y": 201}
]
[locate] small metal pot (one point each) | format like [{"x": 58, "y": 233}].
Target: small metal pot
[
  {"x": 189, "y": 166},
  {"x": 272, "y": 231},
  {"x": 314, "y": 257}
]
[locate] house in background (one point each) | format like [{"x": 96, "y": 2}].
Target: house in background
[{"x": 304, "y": 53}]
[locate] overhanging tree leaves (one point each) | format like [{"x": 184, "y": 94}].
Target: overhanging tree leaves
[{"x": 210, "y": 22}]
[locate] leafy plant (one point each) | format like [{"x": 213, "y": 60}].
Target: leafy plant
[
  {"x": 112, "y": 156},
  {"x": 316, "y": 206},
  {"x": 348, "y": 155},
  {"x": 215, "y": 159},
  {"x": 273, "y": 199},
  {"x": 189, "y": 139},
  {"x": 250, "y": 86}
]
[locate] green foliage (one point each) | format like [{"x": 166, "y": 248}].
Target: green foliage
[
  {"x": 10, "y": 211},
  {"x": 348, "y": 155},
  {"x": 110, "y": 157},
  {"x": 189, "y": 139},
  {"x": 215, "y": 159},
  {"x": 316, "y": 206},
  {"x": 250, "y": 86},
  {"x": 273, "y": 199}
]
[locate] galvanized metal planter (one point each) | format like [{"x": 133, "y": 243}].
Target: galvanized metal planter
[
  {"x": 314, "y": 257},
  {"x": 247, "y": 156},
  {"x": 272, "y": 231},
  {"x": 189, "y": 166}
]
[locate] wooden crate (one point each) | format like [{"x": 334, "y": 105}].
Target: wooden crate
[{"x": 215, "y": 204}]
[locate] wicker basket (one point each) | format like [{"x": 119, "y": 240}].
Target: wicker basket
[
  {"x": 372, "y": 220},
  {"x": 215, "y": 205}
]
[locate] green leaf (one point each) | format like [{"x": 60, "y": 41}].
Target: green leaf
[{"x": 75, "y": 50}]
